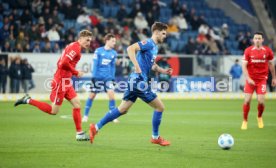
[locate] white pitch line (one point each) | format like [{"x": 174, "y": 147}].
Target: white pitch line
[{"x": 66, "y": 116}]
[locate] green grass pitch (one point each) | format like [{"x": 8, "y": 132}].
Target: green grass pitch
[{"x": 30, "y": 138}]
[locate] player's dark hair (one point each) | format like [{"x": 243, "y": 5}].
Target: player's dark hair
[
  {"x": 159, "y": 26},
  {"x": 85, "y": 33},
  {"x": 259, "y": 33},
  {"x": 108, "y": 37}
]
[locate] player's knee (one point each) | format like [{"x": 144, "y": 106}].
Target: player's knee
[
  {"x": 261, "y": 101},
  {"x": 122, "y": 110},
  {"x": 247, "y": 101},
  {"x": 92, "y": 96},
  {"x": 77, "y": 105},
  {"x": 160, "y": 108}
]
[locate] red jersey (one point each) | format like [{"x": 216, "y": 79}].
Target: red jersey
[
  {"x": 258, "y": 61},
  {"x": 67, "y": 62}
]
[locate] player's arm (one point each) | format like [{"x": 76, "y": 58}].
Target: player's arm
[
  {"x": 272, "y": 70},
  {"x": 272, "y": 67},
  {"x": 95, "y": 62},
  {"x": 157, "y": 68},
  {"x": 65, "y": 64},
  {"x": 113, "y": 65},
  {"x": 245, "y": 72},
  {"x": 131, "y": 51}
]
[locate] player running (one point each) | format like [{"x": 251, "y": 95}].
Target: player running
[
  {"x": 138, "y": 85},
  {"x": 103, "y": 74},
  {"x": 61, "y": 83},
  {"x": 257, "y": 60}
]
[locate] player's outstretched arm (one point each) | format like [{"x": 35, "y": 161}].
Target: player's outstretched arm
[
  {"x": 245, "y": 72},
  {"x": 272, "y": 70},
  {"x": 157, "y": 68},
  {"x": 131, "y": 51}
]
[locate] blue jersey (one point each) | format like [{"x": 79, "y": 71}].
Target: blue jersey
[
  {"x": 104, "y": 64},
  {"x": 146, "y": 56}
]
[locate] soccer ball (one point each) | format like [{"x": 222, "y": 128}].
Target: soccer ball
[{"x": 225, "y": 141}]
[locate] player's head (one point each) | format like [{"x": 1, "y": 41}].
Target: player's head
[
  {"x": 258, "y": 39},
  {"x": 110, "y": 40},
  {"x": 85, "y": 37},
  {"x": 159, "y": 31}
]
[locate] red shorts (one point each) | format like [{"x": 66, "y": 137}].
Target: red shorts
[
  {"x": 260, "y": 87},
  {"x": 60, "y": 91}
]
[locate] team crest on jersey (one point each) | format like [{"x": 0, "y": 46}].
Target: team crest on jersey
[
  {"x": 112, "y": 56},
  {"x": 264, "y": 56},
  {"x": 144, "y": 42}
]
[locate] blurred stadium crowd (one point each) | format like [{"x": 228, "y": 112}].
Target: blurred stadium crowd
[{"x": 48, "y": 26}]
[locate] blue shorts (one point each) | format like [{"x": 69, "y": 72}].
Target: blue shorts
[
  {"x": 98, "y": 86},
  {"x": 137, "y": 87}
]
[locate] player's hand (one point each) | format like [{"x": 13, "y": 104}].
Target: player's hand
[
  {"x": 138, "y": 70},
  {"x": 273, "y": 83},
  {"x": 80, "y": 74},
  {"x": 169, "y": 71},
  {"x": 250, "y": 81}
]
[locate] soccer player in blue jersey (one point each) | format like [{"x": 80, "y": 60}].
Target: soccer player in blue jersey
[
  {"x": 103, "y": 74},
  {"x": 138, "y": 85}
]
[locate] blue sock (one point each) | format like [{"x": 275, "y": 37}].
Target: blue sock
[
  {"x": 109, "y": 116},
  {"x": 88, "y": 105},
  {"x": 156, "y": 120},
  {"x": 111, "y": 104}
]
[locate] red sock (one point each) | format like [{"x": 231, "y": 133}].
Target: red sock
[
  {"x": 260, "y": 110},
  {"x": 77, "y": 119},
  {"x": 41, "y": 105},
  {"x": 246, "y": 108}
]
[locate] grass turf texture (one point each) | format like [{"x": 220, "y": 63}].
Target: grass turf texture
[{"x": 30, "y": 138}]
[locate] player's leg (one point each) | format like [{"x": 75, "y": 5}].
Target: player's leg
[
  {"x": 45, "y": 107},
  {"x": 246, "y": 109},
  {"x": 114, "y": 113},
  {"x": 248, "y": 90},
  {"x": 94, "y": 89},
  {"x": 112, "y": 105},
  {"x": 111, "y": 97},
  {"x": 261, "y": 107},
  {"x": 110, "y": 116},
  {"x": 158, "y": 107},
  {"x": 261, "y": 91},
  {"x": 76, "y": 113},
  {"x": 88, "y": 106}
]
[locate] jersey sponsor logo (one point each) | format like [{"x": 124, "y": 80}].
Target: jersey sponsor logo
[
  {"x": 257, "y": 61},
  {"x": 105, "y": 61}
]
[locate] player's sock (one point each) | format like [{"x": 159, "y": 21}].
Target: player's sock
[
  {"x": 246, "y": 108},
  {"x": 111, "y": 104},
  {"x": 45, "y": 107},
  {"x": 156, "y": 120},
  {"x": 89, "y": 103},
  {"x": 260, "y": 110},
  {"x": 109, "y": 116},
  {"x": 77, "y": 119}
]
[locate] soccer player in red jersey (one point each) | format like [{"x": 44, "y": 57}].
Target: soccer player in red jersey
[
  {"x": 257, "y": 60},
  {"x": 61, "y": 84}
]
